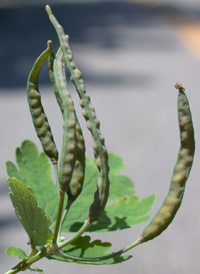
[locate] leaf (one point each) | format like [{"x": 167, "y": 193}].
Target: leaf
[
  {"x": 14, "y": 251},
  {"x": 121, "y": 186},
  {"x": 124, "y": 214},
  {"x": 82, "y": 247},
  {"x": 31, "y": 216},
  {"x": 37, "y": 270},
  {"x": 35, "y": 171},
  {"x": 124, "y": 208},
  {"x": 115, "y": 163}
]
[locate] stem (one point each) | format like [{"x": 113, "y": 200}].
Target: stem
[
  {"x": 52, "y": 248},
  {"x": 96, "y": 259},
  {"x": 33, "y": 252},
  {"x": 58, "y": 221},
  {"x": 57, "y": 176},
  {"x": 69, "y": 203},
  {"x": 85, "y": 226},
  {"x": 25, "y": 264},
  {"x": 114, "y": 254},
  {"x": 137, "y": 242},
  {"x": 64, "y": 215}
]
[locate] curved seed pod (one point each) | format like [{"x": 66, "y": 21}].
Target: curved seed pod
[
  {"x": 37, "y": 112},
  {"x": 181, "y": 172},
  {"x": 100, "y": 152},
  {"x": 68, "y": 155}
]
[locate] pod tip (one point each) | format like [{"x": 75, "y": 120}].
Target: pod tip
[
  {"x": 49, "y": 44},
  {"x": 179, "y": 86},
  {"x": 48, "y": 9}
]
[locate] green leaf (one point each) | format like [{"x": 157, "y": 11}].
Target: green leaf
[
  {"x": 35, "y": 171},
  {"x": 116, "y": 163},
  {"x": 14, "y": 251},
  {"x": 31, "y": 216},
  {"x": 124, "y": 208},
  {"x": 121, "y": 186},
  {"x": 82, "y": 247}
]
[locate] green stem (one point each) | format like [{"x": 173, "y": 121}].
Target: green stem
[
  {"x": 25, "y": 264},
  {"x": 33, "y": 252},
  {"x": 96, "y": 259},
  {"x": 58, "y": 221},
  {"x": 57, "y": 177},
  {"x": 69, "y": 203},
  {"x": 85, "y": 226},
  {"x": 137, "y": 242},
  {"x": 52, "y": 248}
]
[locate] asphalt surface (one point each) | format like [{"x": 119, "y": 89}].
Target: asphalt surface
[{"x": 131, "y": 55}]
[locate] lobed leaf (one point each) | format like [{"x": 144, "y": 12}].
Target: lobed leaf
[
  {"x": 14, "y": 251},
  {"x": 31, "y": 216},
  {"x": 35, "y": 171},
  {"x": 125, "y": 213},
  {"x": 116, "y": 163},
  {"x": 124, "y": 208},
  {"x": 82, "y": 247}
]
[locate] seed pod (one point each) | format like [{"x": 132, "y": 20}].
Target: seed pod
[
  {"x": 51, "y": 59},
  {"x": 76, "y": 184},
  {"x": 181, "y": 172},
  {"x": 68, "y": 155},
  {"x": 39, "y": 118},
  {"x": 100, "y": 152}
]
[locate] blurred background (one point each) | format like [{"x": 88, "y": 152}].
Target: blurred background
[{"x": 131, "y": 54}]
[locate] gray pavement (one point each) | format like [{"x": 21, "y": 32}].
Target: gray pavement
[{"x": 130, "y": 59}]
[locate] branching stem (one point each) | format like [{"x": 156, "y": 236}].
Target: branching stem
[
  {"x": 25, "y": 264},
  {"x": 85, "y": 226},
  {"x": 51, "y": 248}
]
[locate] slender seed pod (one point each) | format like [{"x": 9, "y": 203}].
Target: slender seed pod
[
  {"x": 181, "y": 172},
  {"x": 68, "y": 155},
  {"x": 100, "y": 152},
  {"x": 39, "y": 118},
  {"x": 76, "y": 184},
  {"x": 51, "y": 59}
]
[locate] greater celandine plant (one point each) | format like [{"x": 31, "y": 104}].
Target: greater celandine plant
[{"x": 40, "y": 205}]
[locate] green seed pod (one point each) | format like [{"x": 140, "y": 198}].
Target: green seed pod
[
  {"x": 100, "y": 152},
  {"x": 181, "y": 172},
  {"x": 76, "y": 184},
  {"x": 68, "y": 156},
  {"x": 51, "y": 59},
  {"x": 39, "y": 118}
]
